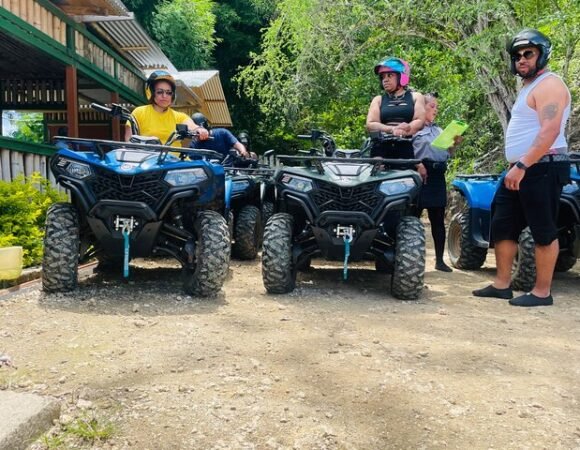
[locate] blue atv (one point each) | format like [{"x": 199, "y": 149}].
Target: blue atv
[
  {"x": 137, "y": 199},
  {"x": 468, "y": 235},
  {"x": 246, "y": 182}
]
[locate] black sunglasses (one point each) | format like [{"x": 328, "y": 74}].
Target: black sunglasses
[
  {"x": 528, "y": 54},
  {"x": 432, "y": 94}
]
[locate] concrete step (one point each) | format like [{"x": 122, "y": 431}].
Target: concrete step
[{"x": 24, "y": 417}]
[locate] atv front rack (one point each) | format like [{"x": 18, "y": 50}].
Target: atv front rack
[
  {"x": 255, "y": 171},
  {"x": 379, "y": 164},
  {"x": 481, "y": 176},
  {"x": 102, "y": 147}
]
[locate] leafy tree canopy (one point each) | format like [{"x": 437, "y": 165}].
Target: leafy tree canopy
[
  {"x": 314, "y": 67},
  {"x": 185, "y": 30}
]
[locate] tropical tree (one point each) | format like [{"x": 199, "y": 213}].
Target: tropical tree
[{"x": 185, "y": 30}]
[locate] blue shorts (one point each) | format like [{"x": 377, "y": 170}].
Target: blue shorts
[{"x": 536, "y": 204}]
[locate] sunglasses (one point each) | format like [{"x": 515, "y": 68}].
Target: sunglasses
[
  {"x": 528, "y": 54},
  {"x": 163, "y": 91}
]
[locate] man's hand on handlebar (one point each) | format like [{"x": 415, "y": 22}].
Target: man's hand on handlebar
[{"x": 202, "y": 133}]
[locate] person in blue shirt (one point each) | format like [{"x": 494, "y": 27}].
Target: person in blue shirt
[
  {"x": 223, "y": 140},
  {"x": 433, "y": 196}
]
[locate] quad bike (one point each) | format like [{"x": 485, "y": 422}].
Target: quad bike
[
  {"x": 346, "y": 209},
  {"x": 137, "y": 199},
  {"x": 246, "y": 183},
  {"x": 468, "y": 235}
]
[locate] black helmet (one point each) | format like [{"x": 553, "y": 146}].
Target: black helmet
[
  {"x": 244, "y": 138},
  {"x": 199, "y": 119},
  {"x": 158, "y": 75},
  {"x": 530, "y": 37}
]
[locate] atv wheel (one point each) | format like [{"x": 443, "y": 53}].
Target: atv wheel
[
  {"x": 267, "y": 211},
  {"x": 524, "y": 267},
  {"x": 565, "y": 262},
  {"x": 247, "y": 233},
  {"x": 277, "y": 272},
  {"x": 409, "y": 270},
  {"x": 463, "y": 254},
  {"x": 212, "y": 255},
  {"x": 61, "y": 248}
]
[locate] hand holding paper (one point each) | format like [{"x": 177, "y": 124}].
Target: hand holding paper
[{"x": 448, "y": 137}]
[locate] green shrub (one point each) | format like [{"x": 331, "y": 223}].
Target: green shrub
[{"x": 23, "y": 206}]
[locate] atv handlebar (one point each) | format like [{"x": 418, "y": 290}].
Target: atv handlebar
[{"x": 117, "y": 111}]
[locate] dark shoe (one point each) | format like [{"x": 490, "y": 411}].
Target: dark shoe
[
  {"x": 530, "y": 299},
  {"x": 491, "y": 291},
  {"x": 443, "y": 267}
]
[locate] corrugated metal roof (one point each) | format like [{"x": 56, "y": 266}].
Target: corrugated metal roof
[
  {"x": 207, "y": 85},
  {"x": 131, "y": 40},
  {"x": 100, "y": 7}
]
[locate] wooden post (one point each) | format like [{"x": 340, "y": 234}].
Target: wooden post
[
  {"x": 72, "y": 102},
  {"x": 115, "y": 124}
]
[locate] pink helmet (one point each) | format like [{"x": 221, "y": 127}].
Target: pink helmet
[{"x": 397, "y": 65}]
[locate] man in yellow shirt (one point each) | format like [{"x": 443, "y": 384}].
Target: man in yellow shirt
[{"x": 158, "y": 118}]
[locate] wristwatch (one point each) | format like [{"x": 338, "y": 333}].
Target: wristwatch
[{"x": 521, "y": 165}]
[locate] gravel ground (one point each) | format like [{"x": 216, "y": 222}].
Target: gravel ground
[{"x": 332, "y": 365}]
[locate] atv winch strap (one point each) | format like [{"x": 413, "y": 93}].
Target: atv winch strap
[
  {"x": 347, "y": 238},
  {"x": 126, "y": 252}
]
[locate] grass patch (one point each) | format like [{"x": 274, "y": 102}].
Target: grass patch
[
  {"x": 53, "y": 442},
  {"x": 91, "y": 429},
  {"x": 82, "y": 433}
]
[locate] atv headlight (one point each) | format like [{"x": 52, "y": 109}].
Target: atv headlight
[
  {"x": 184, "y": 177},
  {"x": 395, "y": 187},
  {"x": 239, "y": 186},
  {"x": 297, "y": 183},
  {"x": 78, "y": 170}
]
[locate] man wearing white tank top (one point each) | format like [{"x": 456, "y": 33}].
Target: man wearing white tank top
[{"x": 536, "y": 149}]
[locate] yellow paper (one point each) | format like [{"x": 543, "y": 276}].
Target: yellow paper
[{"x": 447, "y": 137}]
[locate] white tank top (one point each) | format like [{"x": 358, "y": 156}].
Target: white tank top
[{"x": 524, "y": 125}]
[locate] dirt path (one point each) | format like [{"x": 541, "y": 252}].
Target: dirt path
[{"x": 332, "y": 365}]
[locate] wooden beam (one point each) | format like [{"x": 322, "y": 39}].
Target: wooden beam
[
  {"x": 72, "y": 101},
  {"x": 115, "y": 124}
]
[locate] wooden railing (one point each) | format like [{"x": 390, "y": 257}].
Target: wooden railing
[
  {"x": 50, "y": 20},
  {"x": 23, "y": 158}
]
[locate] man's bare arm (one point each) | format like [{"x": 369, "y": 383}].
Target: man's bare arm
[{"x": 549, "y": 99}]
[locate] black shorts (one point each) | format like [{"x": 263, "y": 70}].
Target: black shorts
[{"x": 536, "y": 204}]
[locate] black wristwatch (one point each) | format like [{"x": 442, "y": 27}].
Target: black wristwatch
[{"x": 521, "y": 165}]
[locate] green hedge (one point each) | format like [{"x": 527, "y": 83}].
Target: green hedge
[{"x": 23, "y": 206}]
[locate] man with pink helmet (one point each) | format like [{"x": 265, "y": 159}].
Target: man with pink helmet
[{"x": 399, "y": 111}]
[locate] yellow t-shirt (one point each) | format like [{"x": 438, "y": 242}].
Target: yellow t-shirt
[{"x": 160, "y": 125}]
